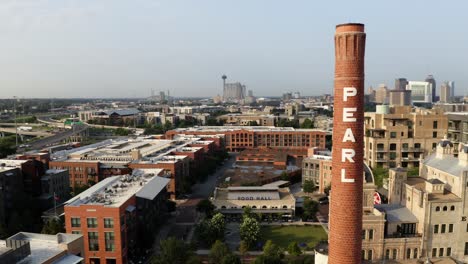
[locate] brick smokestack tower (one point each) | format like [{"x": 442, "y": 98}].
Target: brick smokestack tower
[{"x": 348, "y": 144}]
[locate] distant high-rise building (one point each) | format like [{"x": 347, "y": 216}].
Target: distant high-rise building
[
  {"x": 430, "y": 79},
  {"x": 287, "y": 96},
  {"x": 400, "y": 84},
  {"x": 250, "y": 93},
  {"x": 233, "y": 91},
  {"x": 162, "y": 96},
  {"x": 381, "y": 94},
  {"x": 421, "y": 92},
  {"x": 452, "y": 88},
  {"x": 296, "y": 95},
  {"x": 399, "y": 97},
  {"x": 445, "y": 95}
]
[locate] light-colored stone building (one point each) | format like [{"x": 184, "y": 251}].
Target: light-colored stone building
[
  {"x": 438, "y": 199},
  {"x": 401, "y": 135}
]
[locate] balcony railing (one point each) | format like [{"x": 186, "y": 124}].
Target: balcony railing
[
  {"x": 412, "y": 150},
  {"x": 381, "y": 150}
]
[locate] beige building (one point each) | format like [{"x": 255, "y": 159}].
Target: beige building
[
  {"x": 458, "y": 127},
  {"x": 249, "y": 119},
  {"x": 399, "y": 97},
  {"x": 267, "y": 200},
  {"x": 439, "y": 201},
  {"x": 401, "y": 135},
  {"x": 381, "y": 94}
]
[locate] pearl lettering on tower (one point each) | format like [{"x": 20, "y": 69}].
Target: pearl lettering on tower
[{"x": 348, "y": 116}]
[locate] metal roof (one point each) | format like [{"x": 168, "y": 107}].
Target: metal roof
[
  {"x": 448, "y": 163},
  {"x": 153, "y": 188},
  {"x": 397, "y": 213}
]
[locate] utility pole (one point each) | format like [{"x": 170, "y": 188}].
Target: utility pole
[{"x": 16, "y": 125}]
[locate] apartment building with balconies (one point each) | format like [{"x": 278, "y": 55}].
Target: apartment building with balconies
[{"x": 401, "y": 135}]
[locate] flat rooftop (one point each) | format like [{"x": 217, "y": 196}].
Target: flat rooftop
[
  {"x": 122, "y": 151},
  {"x": 235, "y": 128},
  {"x": 397, "y": 213},
  {"x": 420, "y": 184},
  {"x": 44, "y": 247},
  {"x": 116, "y": 190}
]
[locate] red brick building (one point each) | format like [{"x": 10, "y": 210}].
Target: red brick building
[
  {"x": 118, "y": 216},
  {"x": 240, "y": 138}
]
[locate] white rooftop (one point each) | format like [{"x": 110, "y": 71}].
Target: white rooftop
[
  {"x": 43, "y": 247},
  {"x": 234, "y": 128},
  {"x": 116, "y": 190}
]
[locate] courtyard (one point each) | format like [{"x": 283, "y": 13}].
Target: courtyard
[{"x": 306, "y": 236}]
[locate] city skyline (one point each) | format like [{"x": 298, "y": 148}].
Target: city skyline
[{"x": 95, "y": 49}]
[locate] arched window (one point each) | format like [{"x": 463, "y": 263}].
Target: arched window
[
  {"x": 452, "y": 208},
  {"x": 254, "y": 207},
  {"x": 223, "y": 207},
  {"x": 285, "y": 207},
  {"x": 415, "y": 253},
  {"x": 445, "y": 208},
  {"x": 243, "y": 207},
  {"x": 437, "y": 208},
  {"x": 369, "y": 255},
  {"x": 264, "y": 207},
  {"x": 387, "y": 254},
  {"x": 394, "y": 254}
]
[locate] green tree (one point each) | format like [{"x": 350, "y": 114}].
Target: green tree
[
  {"x": 172, "y": 251},
  {"x": 294, "y": 249},
  {"x": 7, "y": 146},
  {"x": 194, "y": 260},
  {"x": 205, "y": 206},
  {"x": 308, "y": 186},
  {"x": 247, "y": 212},
  {"x": 231, "y": 259},
  {"x": 379, "y": 175},
  {"x": 284, "y": 176},
  {"x": 52, "y": 227},
  {"x": 249, "y": 231},
  {"x": 271, "y": 250},
  {"x": 167, "y": 126},
  {"x": 218, "y": 251},
  {"x": 121, "y": 132},
  {"x": 310, "y": 209},
  {"x": 218, "y": 225},
  {"x": 307, "y": 123}
]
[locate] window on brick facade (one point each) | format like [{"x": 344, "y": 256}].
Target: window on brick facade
[
  {"x": 371, "y": 234},
  {"x": 434, "y": 252},
  {"x": 108, "y": 222},
  {"x": 393, "y": 146},
  {"x": 445, "y": 208},
  {"x": 363, "y": 234},
  {"x": 109, "y": 241},
  {"x": 394, "y": 254},
  {"x": 436, "y": 229},
  {"x": 76, "y": 232},
  {"x": 452, "y": 208},
  {"x": 415, "y": 253},
  {"x": 75, "y": 222},
  {"x": 369, "y": 255},
  {"x": 449, "y": 251},
  {"x": 441, "y": 252},
  {"x": 92, "y": 222},
  {"x": 450, "y": 228},
  {"x": 93, "y": 241},
  {"x": 442, "y": 229},
  {"x": 393, "y": 134},
  {"x": 408, "y": 253},
  {"x": 437, "y": 208}
]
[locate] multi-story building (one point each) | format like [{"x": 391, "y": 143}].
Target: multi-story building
[
  {"x": 437, "y": 199},
  {"x": 458, "y": 127},
  {"x": 93, "y": 163},
  {"x": 237, "y": 138},
  {"x": 399, "y": 97},
  {"x": 421, "y": 92},
  {"x": 248, "y": 119},
  {"x": 11, "y": 189},
  {"x": 445, "y": 93},
  {"x": 112, "y": 116},
  {"x": 42, "y": 249},
  {"x": 118, "y": 216},
  {"x": 400, "y": 136},
  {"x": 233, "y": 91},
  {"x": 55, "y": 184},
  {"x": 381, "y": 94},
  {"x": 400, "y": 84},
  {"x": 430, "y": 79}
]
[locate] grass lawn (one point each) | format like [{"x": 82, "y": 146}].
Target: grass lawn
[{"x": 283, "y": 235}]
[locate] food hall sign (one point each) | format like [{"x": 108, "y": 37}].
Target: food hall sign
[
  {"x": 347, "y": 154},
  {"x": 253, "y": 198}
]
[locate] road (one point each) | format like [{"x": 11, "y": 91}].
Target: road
[
  {"x": 26, "y": 133},
  {"x": 41, "y": 143},
  {"x": 205, "y": 189}
]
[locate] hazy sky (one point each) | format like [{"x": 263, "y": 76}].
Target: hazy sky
[{"x": 126, "y": 48}]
